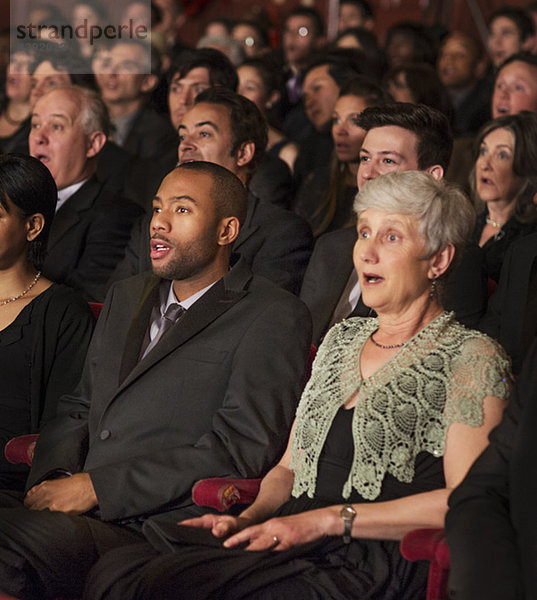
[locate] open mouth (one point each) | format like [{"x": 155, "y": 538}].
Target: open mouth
[
  {"x": 159, "y": 249},
  {"x": 372, "y": 279}
]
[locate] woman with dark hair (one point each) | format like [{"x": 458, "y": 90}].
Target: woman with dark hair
[
  {"x": 45, "y": 328},
  {"x": 327, "y": 207},
  {"x": 365, "y": 41},
  {"x": 260, "y": 82},
  {"x": 504, "y": 179},
  {"x": 15, "y": 106}
]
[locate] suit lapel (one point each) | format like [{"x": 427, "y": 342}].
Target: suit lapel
[
  {"x": 220, "y": 298},
  {"x": 137, "y": 330},
  {"x": 69, "y": 213}
]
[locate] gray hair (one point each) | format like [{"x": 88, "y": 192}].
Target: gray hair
[
  {"x": 94, "y": 114},
  {"x": 443, "y": 211}
]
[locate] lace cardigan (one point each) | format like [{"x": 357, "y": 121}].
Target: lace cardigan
[{"x": 440, "y": 376}]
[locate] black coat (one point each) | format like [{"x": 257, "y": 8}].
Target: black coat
[
  {"x": 215, "y": 397},
  {"x": 88, "y": 238}
]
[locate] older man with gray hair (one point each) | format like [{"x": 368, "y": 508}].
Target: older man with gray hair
[{"x": 91, "y": 228}]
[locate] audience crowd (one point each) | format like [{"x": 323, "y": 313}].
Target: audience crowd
[{"x": 229, "y": 209}]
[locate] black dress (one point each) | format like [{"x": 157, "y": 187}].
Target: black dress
[
  {"x": 41, "y": 357},
  {"x": 496, "y": 247},
  {"x": 199, "y": 568},
  {"x": 15, "y": 353}
]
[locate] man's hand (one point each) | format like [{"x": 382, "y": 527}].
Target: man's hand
[{"x": 73, "y": 495}]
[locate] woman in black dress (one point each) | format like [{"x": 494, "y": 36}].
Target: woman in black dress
[
  {"x": 504, "y": 178},
  {"x": 44, "y": 328}
]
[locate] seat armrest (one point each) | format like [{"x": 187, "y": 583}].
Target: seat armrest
[{"x": 221, "y": 493}]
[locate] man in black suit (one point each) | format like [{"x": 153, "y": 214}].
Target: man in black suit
[
  {"x": 491, "y": 526},
  {"x": 399, "y": 137},
  {"x": 226, "y": 128},
  {"x": 156, "y": 409},
  {"x": 91, "y": 228},
  {"x": 126, "y": 75},
  {"x": 190, "y": 73}
]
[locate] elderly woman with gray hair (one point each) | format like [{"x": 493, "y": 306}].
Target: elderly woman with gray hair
[{"x": 395, "y": 412}]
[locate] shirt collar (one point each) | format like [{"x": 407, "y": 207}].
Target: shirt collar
[
  {"x": 66, "y": 193},
  {"x": 168, "y": 297}
]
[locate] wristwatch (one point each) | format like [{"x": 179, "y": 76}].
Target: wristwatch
[{"x": 347, "y": 514}]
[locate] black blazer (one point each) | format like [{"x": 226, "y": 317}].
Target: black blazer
[
  {"x": 331, "y": 265},
  {"x": 275, "y": 242},
  {"x": 215, "y": 397},
  {"x": 88, "y": 238},
  {"x": 491, "y": 526},
  {"x": 504, "y": 319},
  {"x": 150, "y": 135}
]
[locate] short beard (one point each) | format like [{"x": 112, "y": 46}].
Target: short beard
[{"x": 190, "y": 260}]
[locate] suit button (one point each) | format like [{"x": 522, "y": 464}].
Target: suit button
[{"x": 105, "y": 434}]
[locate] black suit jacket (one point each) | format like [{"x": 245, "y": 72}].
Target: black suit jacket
[
  {"x": 215, "y": 397},
  {"x": 275, "y": 242},
  {"x": 88, "y": 238},
  {"x": 150, "y": 135},
  {"x": 504, "y": 319},
  {"x": 491, "y": 526},
  {"x": 331, "y": 265}
]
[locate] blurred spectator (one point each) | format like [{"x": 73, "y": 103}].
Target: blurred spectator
[
  {"x": 55, "y": 66},
  {"x": 331, "y": 195},
  {"x": 228, "y": 46},
  {"x": 171, "y": 18},
  {"x": 322, "y": 83},
  {"x": 511, "y": 30},
  {"x": 409, "y": 43},
  {"x": 302, "y": 36},
  {"x": 219, "y": 27},
  {"x": 515, "y": 88},
  {"x": 253, "y": 37},
  {"x": 365, "y": 41},
  {"x": 418, "y": 83},
  {"x": 88, "y": 13},
  {"x": 461, "y": 68},
  {"x": 15, "y": 107},
  {"x": 531, "y": 9},
  {"x": 355, "y": 13},
  {"x": 127, "y": 78},
  {"x": 259, "y": 81}
]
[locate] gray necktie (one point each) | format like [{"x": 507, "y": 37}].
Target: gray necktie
[{"x": 166, "y": 321}]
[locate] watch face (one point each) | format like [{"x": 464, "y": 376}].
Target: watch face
[{"x": 347, "y": 513}]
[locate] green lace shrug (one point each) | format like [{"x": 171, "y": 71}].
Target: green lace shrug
[{"x": 439, "y": 377}]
